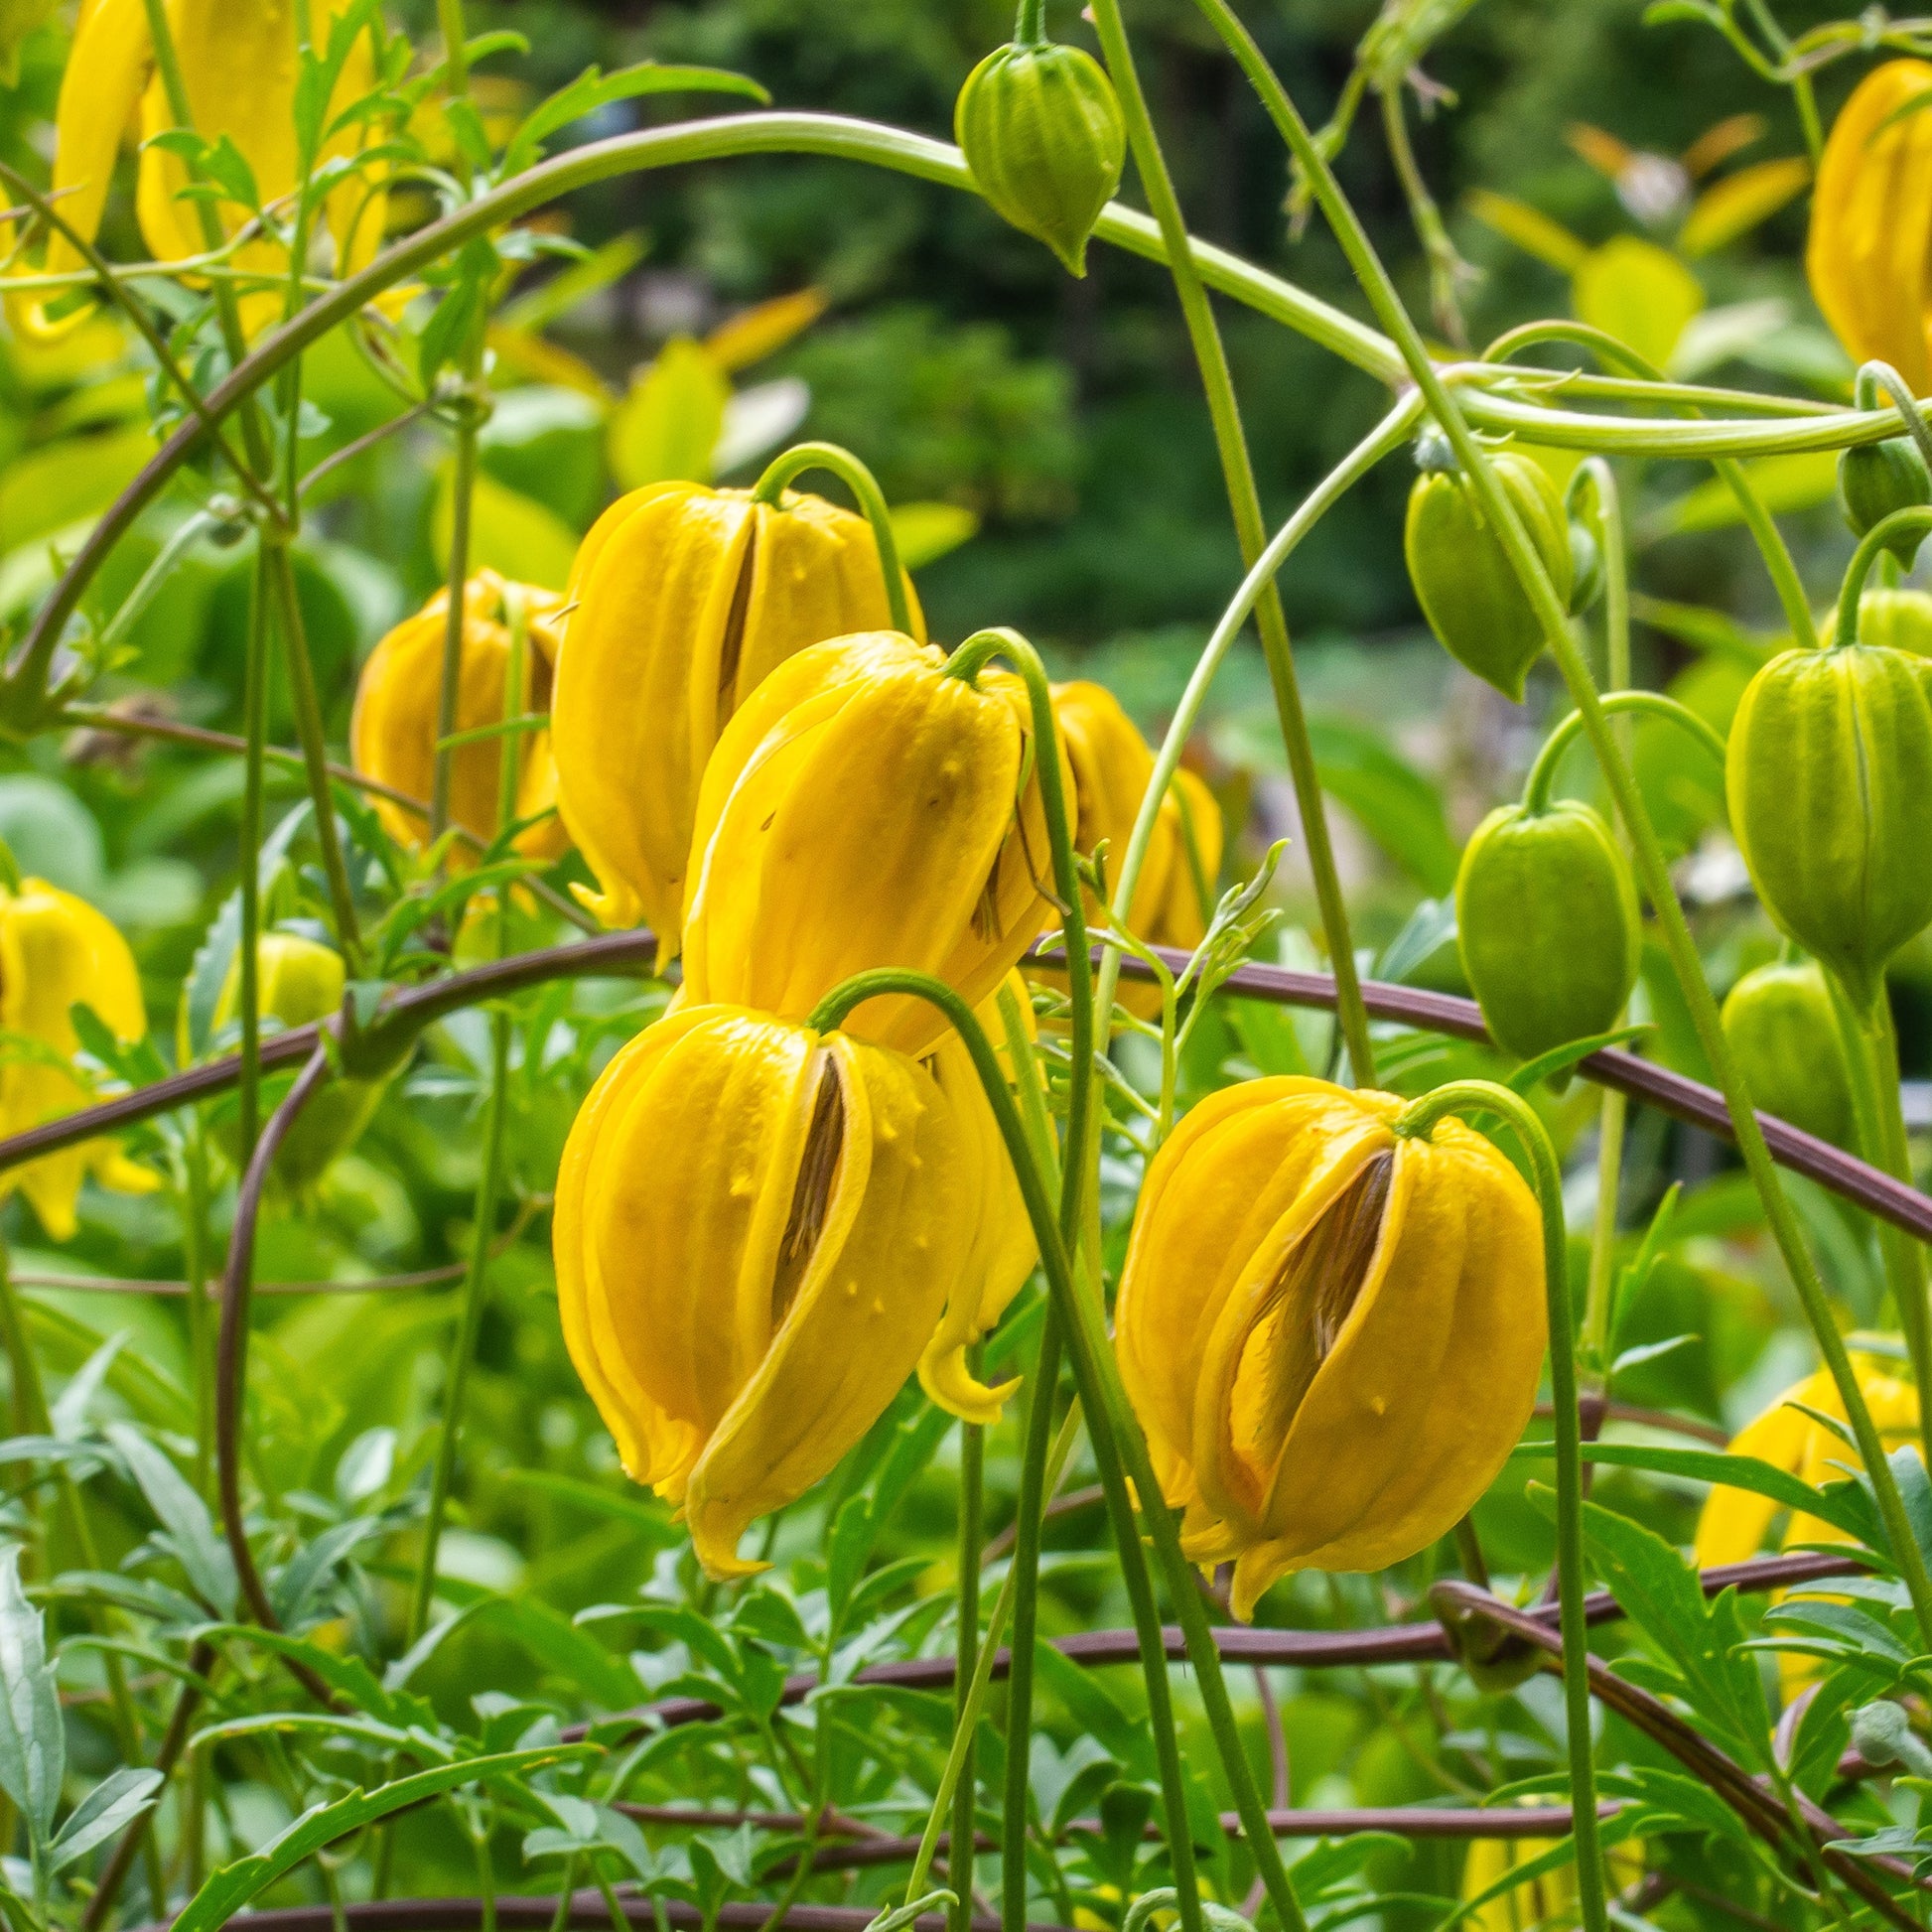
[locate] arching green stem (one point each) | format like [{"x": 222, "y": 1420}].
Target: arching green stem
[
  {"x": 1652, "y": 868},
  {"x": 1542, "y": 773},
  {"x": 1485, "y": 1097},
  {"x": 842, "y": 464},
  {"x": 1593, "y": 490},
  {"x": 1030, "y": 29},
  {"x": 1876, "y": 379},
  {"x": 1386, "y": 437},
  {"x": 1250, "y": 529},
  {"x": 1121, "y": 1452},
  {"x": 1916, "y": 521},
  {"x": 1757, "y": 520}
]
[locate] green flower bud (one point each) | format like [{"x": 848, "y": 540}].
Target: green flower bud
[
  {"x": 1895, "y": 619},
  {"x": 1547, "y": 923},
  {"x": 1829, "y": 777},
  {"x": 1782, "y": 1033},
  {"x": 1877, "y": 479},
  {"x": 1042, "y": 134},
  {"x": 1586, "y": 571},
  {"x": 1463, "y": 578}
]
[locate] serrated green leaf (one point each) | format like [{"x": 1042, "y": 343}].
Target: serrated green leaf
[{"x": 33, "y": 1739}]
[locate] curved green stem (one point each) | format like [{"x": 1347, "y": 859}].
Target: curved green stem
[
  {"x": 1876, "y": 379},
  {"x": 966, "y": 663},
  {"x": 1121, "y": 1452},
  {"x": 1030, "y": 29},
  {"x": 1653, "y": 870},
  {"x": 1757, "y": 520},
  {"x": 1485, "y": 1097},
  {"x": 1908, "y": 522},
  {"x": 1542, "y": 773},
  {"x": 842, "y": 464},
  {"x": 1250, "y": 528}
]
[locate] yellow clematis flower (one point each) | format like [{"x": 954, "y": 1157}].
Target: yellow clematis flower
[
  {"x": 55, "y": 952},
  {"x": 1733, "y": 1523},
  {"x": 758, "y": 1229},
  {"x": 1332, "y": 1336},
  {"x": 392, "y": 734},
  {"x": 683, "y": 600},
  {"x": 1869, "y": 258},
  {"x": 239, "y": 63},
  {"x": 1549, "y": 1901},
  {"x": 866, "y": 809}
]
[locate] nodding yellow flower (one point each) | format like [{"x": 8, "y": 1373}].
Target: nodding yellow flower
[
  {"x": 1003, "y": 1250},
  {"x": 1870, "y": 254},
  {"x": 1548, "y": 1901},
  {"x": 1331, "y": 1336},
  {"x": 58, "y": 952},
  {"x": 1733, "y": 1523},
  {"x": 866, "y": 809},
  {"x": 757, "y": 1228},
  {"x": 1111, "y": 768},
  {"x": 683, "y": 600},
  {"x": 239, "y": 65},
  {"x": 392, "y": 734}
]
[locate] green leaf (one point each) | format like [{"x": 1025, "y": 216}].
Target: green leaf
[
  {"x": 509, "y": 533},
  {"x": 1786, "y": 483},
  {"x": 593, "y": 89},
  {"x": 925, "y": 532},
  {"x": 629, "y": 1506},
  {"x": 1560, "y": 1059},
  {"x": 1400, "y": 809},
  {"x": 229, "y": 1890},
  {"x": 33, "y": 1739},
  {"x": 666, "y": 429},
  {"x": 112, "y": 1805},
  {"x": 182, "y": 1514},
  {"x": 1834, "y": 1505}
]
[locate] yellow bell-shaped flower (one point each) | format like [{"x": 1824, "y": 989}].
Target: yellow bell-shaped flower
[
  {"x": 756, "y": 1231},
  {"x": 56, "y": 952},
  {"x": 392, "y": 734},
  {"x": 1111, "y": 768},
  {"x": 1331, "y": 1336},
  {"x": 683, "y": 600},
  {"x": 1733, "y": 1523},
  {"x": 239, "y": 65},
  {"x": 865, "y": 809},
  {"x": 1870, "y": 254}
]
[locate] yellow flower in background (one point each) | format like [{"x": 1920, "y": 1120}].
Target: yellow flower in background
[
  {"x": 1870, "y": 255},
  {"x": 55, "y": 952},
  {"x": 865, "y": 809},
  {"x": 239, "y": 65},
  {"x": 392, "y": 734},
  {"x": 1112, "y": 765},
  {"x": 683, "y": 600},
  {"x": 1734, "y": 1522},
  {"x": 1332, "y": 1336},
  {"x": 758, "y": 1229},
  {"x": 1550, "y": 1899}
]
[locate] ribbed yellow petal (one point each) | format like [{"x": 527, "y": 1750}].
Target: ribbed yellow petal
[
  {"x": 1002, "y": 1251},
  {"x": 871, "y": 1292}
]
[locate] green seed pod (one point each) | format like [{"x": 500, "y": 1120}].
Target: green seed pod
[
  {"x": 1783, "y": 1034},
  {"x": 1829, "y": 778},
  {"x": 1877, "y": 479},
  {"x": 1547, "y": 919},
  {"x": 301, "y": 981},
  {"x": 1475, "y": 607},
  {"x": 1586, "y": 571},
  {"x": 1042, "y": 134}
]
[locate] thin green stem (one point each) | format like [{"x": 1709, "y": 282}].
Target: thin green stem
[
  {"x": 1757, "y": 520},
  {"x": 1543, "y": 773},
  {"x": 1243, "y": 501},
  {"x": 1016, "y": 1806},
  {"x": 1485, "y": 1097},
  {"x": 462, "y": 490},
  {"x": 771, "y": 488},
  {"x": 194, "y": 1260},
  {"x": 1872, "y": 545},
  {"x": 1446, "y": 266},
  {"x": 1121, "y": 1453},
  {"x": 1387, "y": 436},
  {"x": 315, "y": 754},
  {"x": 1653, "y": 870},
  {"x": 464, "y": 1348},
  {"x": 965, "y": 1809},
  {"x": 1030, "y": 29},
  {"x": 1876, "y": 379}
]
